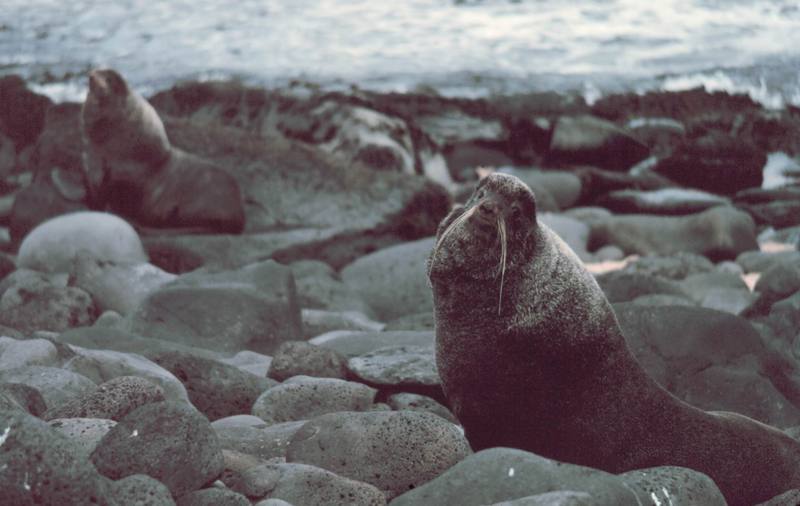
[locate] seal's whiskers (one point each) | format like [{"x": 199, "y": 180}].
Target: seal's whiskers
[
  {"x": 501, "y": 226},
  {"x": 458, "y": 221}
]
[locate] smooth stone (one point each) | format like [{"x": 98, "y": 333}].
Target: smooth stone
[
  {"x": 317, "y": 321},
  {"x": 659, "y": 299},
  {"x": 237, "y": 462},
  {"x": 304, "y": 397},
  {"x": 665, "y": 201},
  {"x": 85, "y": 432},
  {"x": 709, "y": 358},
  {"x": 103, "y": 365},
  {"x": 564, "y": 187},
  {"x": 760, "y": 261},
  {"x": 417, "y": 402},
  {"x": 621, "y": 286},
  {"x": 250, "y": 361},
  {"x": 742, "y": 389},
  {"x": 608, "y": 253},
  {"x": 294, "y": 358},
  {"x": 41, "y": 466},
  {"x": 674, "y": 485},
  {"x": 305, "y": 485},
  {"x": 397, "y": 366},
  {"x": 216, "y": 389},
  {"x": 17, "y": 353},
  {"x": 320, "y": 287},
  {"x": 117, "y": 287},
  {"x": 54, "y": 245},
  {"x": 257, "y": 439},
  {"x": 788, "y": 498},
  {"x": 718, "y": 163},
  {"x": 26, "y": 397},
  {"x": 120, "y": 340},
  {"x": 392, "y": 450},
  {"x": 57, "y": 386},
  {"x": 253, "y": 308},
  {"x": 718, "y": 290},
  {"x": 238, "y": 421},
  {"x": 780, "y": 280},
  {"x": 778, "y": 214},
  {"x": 213, "y": 497},
  {"x": 728, "y": 300},
  {"x": 503, "y": 474},
  {"x": 109, "y": 320},
  {"x": 393, "y": 280},
  {"x": 559, "y": 498},
  {"x": 165, "y": 440},
  {"x": 721, "y": 233},
  {"x": 588, "y": 139},
  {"x": 273, "y": 502},
  {"x": 729, "y": 267},
  {"x": 353, "y": 344},
  {"x": 419, "y": 321},
  {"x": 573, "y": 231}
]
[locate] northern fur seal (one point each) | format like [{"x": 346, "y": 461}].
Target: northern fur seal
[
  {"x": 531, "y": 356},
  {"x": 121, "y": 132},
  {"x": 132, "y": 168}
]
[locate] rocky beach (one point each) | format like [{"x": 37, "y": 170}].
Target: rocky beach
[
  {"x": 172, "y": 355},
  {"x": 220, "y": 295}
]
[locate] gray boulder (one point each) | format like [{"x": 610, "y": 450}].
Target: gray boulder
[
  {"x": 168, "y": 441},
  {"x": 304, "y": 397},
  {"x": 393, "y": 280},
  {"x": 503, "y": 474},
  {"x": 41, "y": 466},
  {"x": 392, "y": 450},
  {"x": 216, "y": 389},
  {"x": 252, "y": 308},
  {"x": 305, "y": 485}
]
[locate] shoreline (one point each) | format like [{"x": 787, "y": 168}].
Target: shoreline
[{"x": 772, "y": 84}]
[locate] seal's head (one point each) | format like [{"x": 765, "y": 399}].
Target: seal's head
[
  {"x": 492, "y": 234},
  {"x": 106, "y": 105},
  {"x": 107, "y": 86}
]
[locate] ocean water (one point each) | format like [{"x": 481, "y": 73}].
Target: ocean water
[{"x": 462, "y": 48}]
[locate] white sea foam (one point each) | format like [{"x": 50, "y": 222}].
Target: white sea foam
[
  {"x": 780, "y": 169},
  {"x": 721, "y": 81},
  {"x": 463, "y": 48}
]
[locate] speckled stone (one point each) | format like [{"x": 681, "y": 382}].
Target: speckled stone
[
  {"x": 169, "y": 441},
  {"x": 393, "y": 450}
]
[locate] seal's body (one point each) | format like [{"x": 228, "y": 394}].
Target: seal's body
[
  {"x": 531, "y": 356},
  {"x": 132, "y": 169},
  {"x": 121, "y": 131}
]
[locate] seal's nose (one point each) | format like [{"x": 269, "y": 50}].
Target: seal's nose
[{"x": 488, "y": 208}]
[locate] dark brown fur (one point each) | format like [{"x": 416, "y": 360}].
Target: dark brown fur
[
  {"x": 132, "y": 169},
  {"x": 552, "y": 374}
]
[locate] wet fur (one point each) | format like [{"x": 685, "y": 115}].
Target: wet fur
[
  {"x": 120, "y": 130},
  {"x": 552, "y": 373},
  {"x": 132, "y": 169}
]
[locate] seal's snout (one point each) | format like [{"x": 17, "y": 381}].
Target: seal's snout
[
  {"x": 487, "y": 210},
  {"x": 95, "y": 80}
]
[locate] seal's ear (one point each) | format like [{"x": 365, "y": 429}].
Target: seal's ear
[
  {"x": 116, "y": 82},
  {"x": 457, "y": 211}
]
